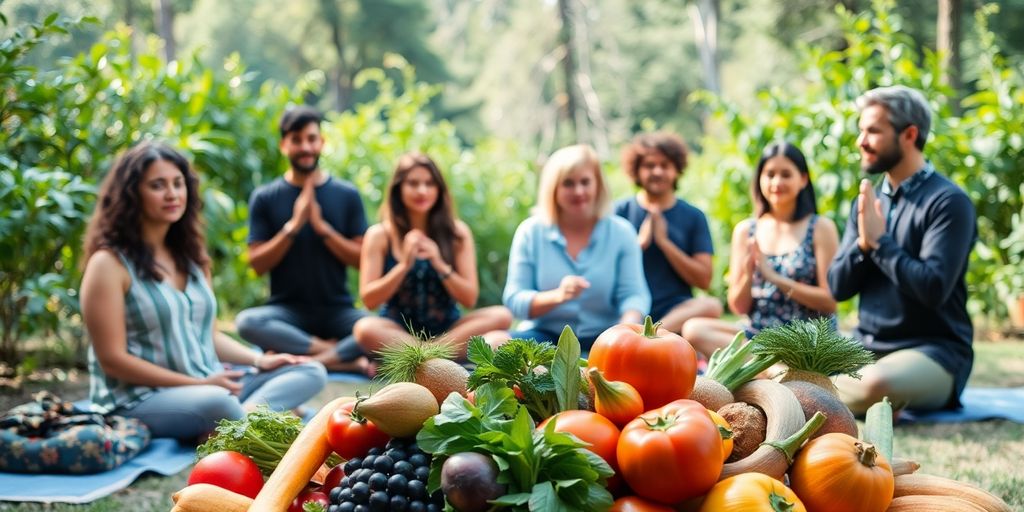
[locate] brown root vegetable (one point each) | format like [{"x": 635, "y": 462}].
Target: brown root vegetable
[
  {"x": 813, "y": 398},
  {"x": 920, "y": 484},
  {"x": 821, "y": 381},
  {"x": 784, "y": 419},
  {"x": 442, "y": 377},
  {"x": 748, "y": 425},
  {"x": 399, "y": 409},
  {"x": 711, "y": 393}
]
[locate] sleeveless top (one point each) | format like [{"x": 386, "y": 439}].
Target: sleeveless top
[
  {"x": 421, "y": 301},
  {"x": 165, "y": 326},
  {"x": 770, "y": 306}
]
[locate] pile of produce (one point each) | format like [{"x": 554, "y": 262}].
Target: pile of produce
[{"x": 536, "y": 427}]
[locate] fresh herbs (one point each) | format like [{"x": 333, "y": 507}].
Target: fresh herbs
[
  {"x": 543, "y": 469},
  {"x": 262, "y": 435},
  {"x": 812, "y": 346},
  {"x": 546, "y": 379}
]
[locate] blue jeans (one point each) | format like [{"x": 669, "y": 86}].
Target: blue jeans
[
  {"x": 187, "y": 412},
  {"x": 287, "y": 328}
]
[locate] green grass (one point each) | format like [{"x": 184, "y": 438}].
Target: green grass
[{"x": 988, "y": 454}]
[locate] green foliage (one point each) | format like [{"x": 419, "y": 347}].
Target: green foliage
[
  {"x": 981, "y": 149},
  {"x": 62, "y": 127}
]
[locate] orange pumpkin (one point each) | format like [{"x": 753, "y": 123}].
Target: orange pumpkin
[
  {"x": 659, "y": 363},
  {"x": 840, "y": 473},
  {"x": 751, "y": 492},
  {"x": 637, "y": 504},
  {"x": 726, "y": 432}
]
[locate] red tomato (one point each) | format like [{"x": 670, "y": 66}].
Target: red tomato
[
  {"x": 307, "y": 496},
  {"x": 672, "y": 453},
  {"x": 333, "y": 478},
  {"x": 660, "y": 364},
  {"x": 637, "y": 504},
  {"x": 351, "y": 435},
  {"x": 590, "y": 427},
  {"x": 228, "y": 470}
]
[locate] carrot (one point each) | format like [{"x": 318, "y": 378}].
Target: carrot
[{"x": 306, "y": 454}]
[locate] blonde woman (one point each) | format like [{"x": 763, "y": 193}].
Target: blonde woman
[{"x": 572, "y": 262}]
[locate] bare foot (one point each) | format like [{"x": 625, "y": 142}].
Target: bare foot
[
  {"x": 318, "y": 346},
  {"x": 360, "y": 365}
]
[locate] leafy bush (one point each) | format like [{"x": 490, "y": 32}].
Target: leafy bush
[
  {"x": 979, "y": 149},
  {"x": 63, "y": 127}
]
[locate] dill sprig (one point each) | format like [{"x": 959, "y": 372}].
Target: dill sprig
[
  {"x": 812, "y": 346},
  {"x": 399, "y": 361}
]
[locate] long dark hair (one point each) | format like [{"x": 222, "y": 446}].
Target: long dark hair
[
  {"x": 806, "y": 204},
  {"x": 440, "y": 218},
  {"x": 116, "y": 223}
]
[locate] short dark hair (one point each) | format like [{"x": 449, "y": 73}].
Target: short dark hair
[
  {"x": 668, "y": 144},
  {"x": 806, "y": 203},
  {"x": 297, "y": 118}
]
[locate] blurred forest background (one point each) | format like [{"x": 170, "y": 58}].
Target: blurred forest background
[{"x": 489, "y": 88}]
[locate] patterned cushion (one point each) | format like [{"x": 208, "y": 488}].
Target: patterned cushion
[{"x": 52, "y": 436}]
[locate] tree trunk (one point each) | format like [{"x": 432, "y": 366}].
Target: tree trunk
[
  {"x": 136, "y": 37},
  {"x": 164, "y": 12},
  {"x": 704, "y": 14},
  {"x": 342, "y": 85},
  {"x": 948, "y": 44},
  {"x": 572, "y": 109}
]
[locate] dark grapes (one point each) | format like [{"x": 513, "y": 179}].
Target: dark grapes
[
  {"x": 378, "y": 482},
  {"x": 393, "y": 478}
]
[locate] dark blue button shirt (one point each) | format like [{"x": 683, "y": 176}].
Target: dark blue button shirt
[{"x": 912, "y": 288}]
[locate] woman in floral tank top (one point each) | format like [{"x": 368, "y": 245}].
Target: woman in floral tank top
[
  {"x": 779, "y": 258},
  {"x": 419, "y": 264}
]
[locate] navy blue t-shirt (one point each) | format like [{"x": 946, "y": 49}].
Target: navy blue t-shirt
[
  {"x": 309, "y": 274},
  {"x": 688, "y": 229}
]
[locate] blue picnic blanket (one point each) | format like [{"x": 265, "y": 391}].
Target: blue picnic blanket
[
  {"x": 164, "y": 456},
  {"x": 979, "y": 404}
]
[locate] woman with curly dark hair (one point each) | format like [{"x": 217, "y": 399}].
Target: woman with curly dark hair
[{"x": 150, "y": 312}]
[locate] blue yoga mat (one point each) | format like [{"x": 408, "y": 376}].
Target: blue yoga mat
[
  {"x": 164, "y": 456},
  {"x": 355, "y": 378},
  {"x": 979, "y": 404}
]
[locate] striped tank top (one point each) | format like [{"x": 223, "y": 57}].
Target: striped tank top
[{"x": 165, "y": 326}]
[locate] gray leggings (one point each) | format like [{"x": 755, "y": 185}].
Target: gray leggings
[
  {"x": 287, "y": 328},
  {"x": 187, "y": 412}
]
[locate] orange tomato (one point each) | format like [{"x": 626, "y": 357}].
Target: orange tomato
[
  {"x": 672, "y": 453},
  {"x": 660, "y": 364}
]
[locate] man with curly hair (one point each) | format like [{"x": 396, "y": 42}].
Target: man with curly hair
[{"x": 673, "y": 234}]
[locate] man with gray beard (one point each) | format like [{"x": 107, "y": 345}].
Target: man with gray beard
[{"x": 905, "y": 252}]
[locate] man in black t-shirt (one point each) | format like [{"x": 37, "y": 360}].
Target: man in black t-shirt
[
  {"x": 905, "y": 252},
  {"x": 306, "y": 229}
]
